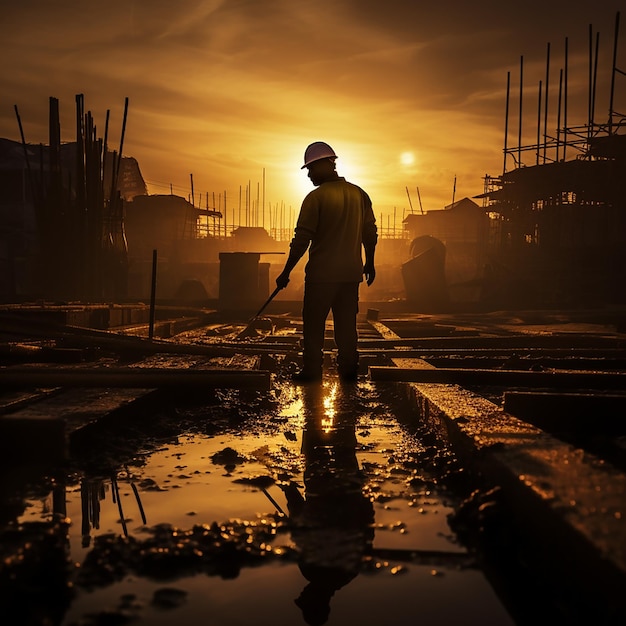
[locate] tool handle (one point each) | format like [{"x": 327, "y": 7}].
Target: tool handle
[{"x": 267, "y": 302}]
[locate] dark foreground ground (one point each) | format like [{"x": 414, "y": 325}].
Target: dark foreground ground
[{"x": 377, "y": 502}]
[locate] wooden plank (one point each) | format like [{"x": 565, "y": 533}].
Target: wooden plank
[
  {"x": 385, "y": 332},
  {"x": 522, "y": 341},
  {"x": 600, "y": 364},
  {"x": 28, "y": 353},
  {"x": 531, "y": 353},
  {"x": 512, "y": 378},
  {"x": 89, "y": 337},
  {"x": 133, "y": 377}
]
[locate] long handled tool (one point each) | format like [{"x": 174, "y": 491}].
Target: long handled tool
[{"x": 249, "y": 330}]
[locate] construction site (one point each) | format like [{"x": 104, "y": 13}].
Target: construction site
[{"x": 159, "y": 464}]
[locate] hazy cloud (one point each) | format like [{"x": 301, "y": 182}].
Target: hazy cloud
[{"x": 225, "y": 88}]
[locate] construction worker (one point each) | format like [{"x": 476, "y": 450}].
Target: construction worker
[{"x": 337, "y": 221}]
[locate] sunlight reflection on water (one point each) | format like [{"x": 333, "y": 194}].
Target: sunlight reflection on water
[{"x": 190, "y": 481}]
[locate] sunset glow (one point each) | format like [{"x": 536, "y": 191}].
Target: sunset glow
[{"x": 232, "y": 93}]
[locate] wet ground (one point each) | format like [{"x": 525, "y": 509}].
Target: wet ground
[
  {"x": 323, "y": 504},
  {"x": 314, "y": 505}
]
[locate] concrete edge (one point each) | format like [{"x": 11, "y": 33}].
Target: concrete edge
[{"x": 572, "y": 502}]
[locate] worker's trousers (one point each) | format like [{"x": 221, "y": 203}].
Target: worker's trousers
[{"x": 343, "y": 300}]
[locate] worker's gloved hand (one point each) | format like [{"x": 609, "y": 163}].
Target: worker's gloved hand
[
  {"x": 370, "y": 273},
  {"x": 282, "y": 281}
]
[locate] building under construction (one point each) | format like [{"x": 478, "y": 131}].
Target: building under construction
[
  {"x": 63, "y": 234},
  {"x": 557, "y": 232},
  {"x": 78, "y": 223}
]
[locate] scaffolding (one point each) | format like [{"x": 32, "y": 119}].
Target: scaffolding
[
  {"x": 73, "y": 190},
  {"x": 558, "y": 218}
]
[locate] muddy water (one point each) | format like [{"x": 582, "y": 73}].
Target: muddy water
[{"x": 320, "y": 505}]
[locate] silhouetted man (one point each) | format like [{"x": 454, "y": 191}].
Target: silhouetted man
[{"x": 337, "y": 221}]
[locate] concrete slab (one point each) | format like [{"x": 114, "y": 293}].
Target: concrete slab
[
  {"x": 571, "y": 503},
  {"x": 38, "y": 431},
  {"x": 570, "y": 500}
]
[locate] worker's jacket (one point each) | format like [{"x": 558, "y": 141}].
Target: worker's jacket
[{"x": 337, "y": 220}]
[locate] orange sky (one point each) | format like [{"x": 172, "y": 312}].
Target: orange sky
[{"x": 408, "y": 94}]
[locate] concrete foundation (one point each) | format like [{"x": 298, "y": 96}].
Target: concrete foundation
[
  {"x": 244, "y": 282},
  {"x": 571, "y": 503}
]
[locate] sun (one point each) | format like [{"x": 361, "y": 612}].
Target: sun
[{"x": 407, "y": 159}]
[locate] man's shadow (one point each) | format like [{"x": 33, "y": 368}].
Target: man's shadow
[{"x": 332, "y": 522}]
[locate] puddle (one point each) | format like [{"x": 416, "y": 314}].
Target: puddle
[{"x": 319, "y": 507}]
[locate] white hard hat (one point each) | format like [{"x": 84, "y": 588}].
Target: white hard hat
[{"x": 316, "y": 151}]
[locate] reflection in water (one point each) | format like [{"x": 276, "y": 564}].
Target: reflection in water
[
  {"x": 332, "y": 523},
  {"x": 92, "y": 493}
]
